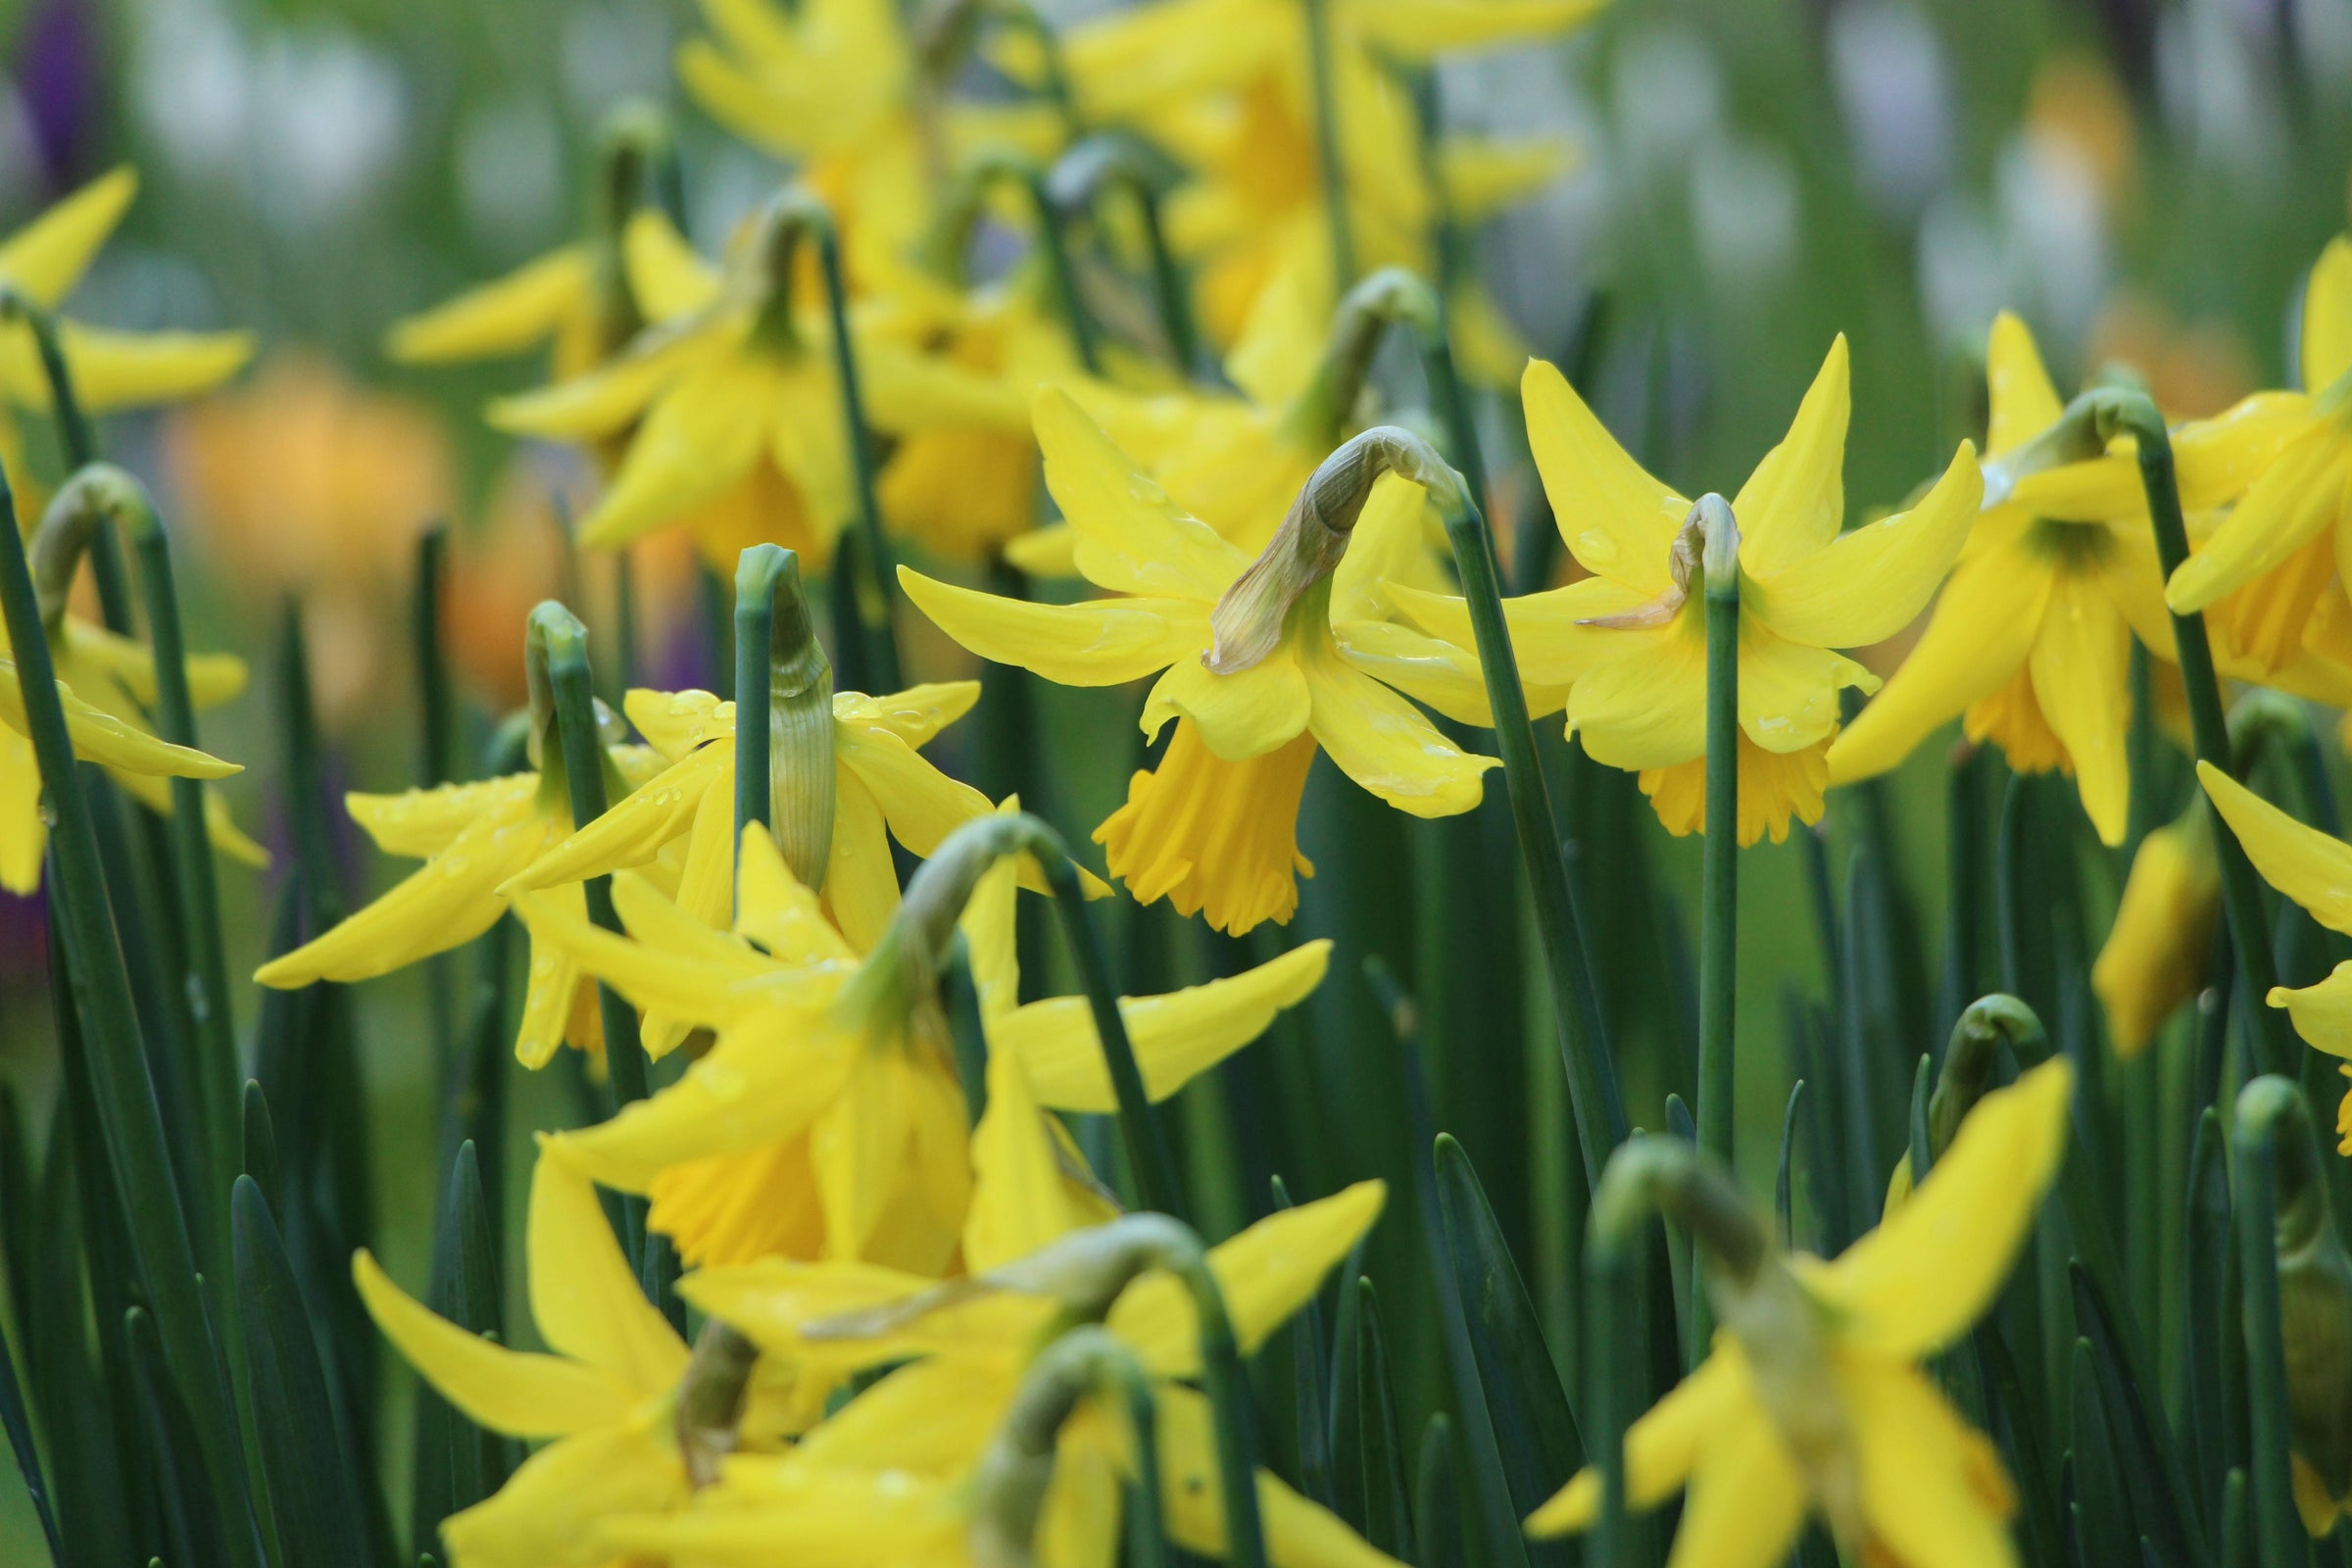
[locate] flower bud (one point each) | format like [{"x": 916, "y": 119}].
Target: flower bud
[{"x": 2156, "y": 952}]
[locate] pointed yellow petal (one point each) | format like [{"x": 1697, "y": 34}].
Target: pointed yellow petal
[
  {"x": 422, "y": 823},
  {"x": 101, "y": 737},
  {"x": 665, "y": 274},
  {"x": 675, "y": 724},
  {"x": 213, "y": 678},
  {"x": 585, "y": 1295},
  {"x": 1916, "y": 1283},
  {"x": 775, "y": 910},
  {"x": 553, "y": 979},
  {"x": 507, "y": 315},
  {"x": 633, "y": 829},
  {"x": 2327, "y": 316},
  {"x": 1866, "y": 585},
  {"x": 1617, "y": 521},
  {"x": 605, "y": 401},
  {"x": 1983, "y": 629},
  {"x": 1099, "y": 641},
  {"x": 2082, "y": 669},
  {"x": 1176, "y": 1037},
  {"x": 1240, "y": 716},
  {"x": 1267, "y": 1272},
  {"x": 1131, "y": 537},
  {"x": 914, "y": 715},
  {"x": 1661, "y": 1448},
  {"x": 2322, "y": 1012},
  {"x": 2298, "y": 495},
  {"x": 992, "y": 955},
  {"x": 862, "y": 881},
  {"x": 859, "y": 1147},
  {"x": 1746, "y": 1498},
  {"x": 1795, "y": 503},
  {"x": 551, "y": 1510},
  {"x": 1021, "y": 1202},
  {"x": 1299, "y": 1534},
  {"x": 1384, "y": 743},
  {"x": 2302, "y": 862},
  {"x": 700, "y": 439},
  {"x": 921, "y": 804},
  {"x": 1647, "y": 707},
  {"x": 929, "y": 1417},
  {"x": 47, "y": 257},
  {"x": 1932, "y": 1490},
  {"x": 507, "y": 1390},
  {"x": 23, "y": 834},
  {"x": 1548, "y": 631},
  {"x": 133, "y": 370},
  {"x": 2024, "y": 402}
]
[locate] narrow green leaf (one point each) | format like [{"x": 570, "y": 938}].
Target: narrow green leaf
[
  {"x": 2102, "y": 1510},
  {"x": 301, "y": 1454},
  {"x": 1783, "y": 1205},
  {"x": 1388, "y": 1500},
  {"x": 1348, "y": 1500},
  {"x": 1312, "y": 1409},
  {"x": 1438, "y": 1499},
  {"x": 2142, "y": 1440},
  {"x": 261, "y": 1144},
  {"x": 191, "y": 1516},
  {"x": 2211, "y": 1343},
  {"x": 17, "y": 1421}
]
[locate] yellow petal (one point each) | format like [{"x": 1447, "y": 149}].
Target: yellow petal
[
  {"x": 605, "y": 401},
  {"x": 1934, "y": 1492},
  {"x": 804, "y": 1515},
  {"x": 862, "y": 880},
  {"x": 1099, "y": 642},
  {"x": 1240, "y": 716},
  {"x": 550, "y": 1512},
  {"x": 1299, "y": 1534},
  {"x": 1617, "y": 521},
  {"x": 705, "y": 898},
  {"x": 1433, "y": 672},
  {"x": 2300, "y": 862},
  {"x": 1267, "y": 1272},
  {"x": 2024, "y": 402},
  {"x": 931, "y": 1418},
  {"x": 135, "y": 370},
  {"x": 213, "y": 678},
  {"x": 1788, "y": 690},
  {"x": 859, "y": 1146},
  {"x": 585, "y": 1295},
  {"x": 47, "y": 257},
  {"x": 1022, "y": 1201},
  {"x": 990, "y": 951},
  {"x": 447, "y": 901},
  {"x": 1866, "y": 585},
  {"x": 1982, "y": 631},
  {"x": 634, "y": 828},
  {"x": 507, "y": 315},
  {"x": 2322, "y": 1012},
  {"x": 1131, "y": 538},
  {"x": 513, "y": 1392},
  {"x": 422, "y": 823},
  {"x": 665, "y": 274},
  {"x": 1386, "y": 744},
  {"x": 700, "y": 439},
  {"x": 1916, "y": 1282},
  {"x": 1795, "y": 503},
  {"x": 1661, "y": 1448},
  {"x": 2327, "y": 316},
  {"x": 101, "y": 737},
  {"x": 1176, "y": 1037},
  {"x": 1746, "y": 1497},
  {"x": 23, "y": 835},
  {"x": 914, "y": 715},
  {"x": 775, "y": 910},
  {"x": 2081, "y": 669},
  {"x": 2301, "y": 493},
  {"x": 1647, "y": 707},
  {"x": 683, "y": 982},
  {"x": 675, "y": 724},
  {"x": 1549, "y": 631},
  {"x": 921, "y": 803},
  {"x": 552, "y": 996}
]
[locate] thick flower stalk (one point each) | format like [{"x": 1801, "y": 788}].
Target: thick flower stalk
[
  {"x": 1629, "y": 644},
  {"x": 473, "y": 837},
  {"x": 827, "y": 1120},
  {"x": 107, "y": 683},
  {"x": 1261, "y": 671},
  {"x": 1812, "y": 1402}
]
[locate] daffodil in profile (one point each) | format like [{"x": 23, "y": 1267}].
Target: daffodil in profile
[
  {"x": 472, "y": 838},
  {"x": 1812, "y": 1402},
  {"x": 827, "y": 1120},
  {"x": 1629, "y": 643},
  {"x": 39, "y": 265},
  {"x": 1046, "y": 1251},
  {"x": 605, "y": 1390},
  {"x": 2315, "y": 872},
  {"x": 740, "y": 433},
  {"x": 1262, "y": 670}
]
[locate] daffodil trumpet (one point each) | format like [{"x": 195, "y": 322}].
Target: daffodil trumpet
[
  {"x": 1085, "y": 1272},
  {"x": 784, "y": 769},
  {"x": 131, "y": 1124},
  {"x": 1594, "y": 1098},
  {"x": 794, "y": 216},
  {"x": 556, "y": 665},
  {"x": 1116, "y": 160},
  {"x": 2273, "y": 1124},
  {"x": 1013, "y": 1473},
  {"x": 959, "y": 209}
]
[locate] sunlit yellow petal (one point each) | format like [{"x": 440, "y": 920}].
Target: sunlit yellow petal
[
  {"x": 2322, "y": 1012},
  {"x": 1101, "y": 642},
  {"x": 2080, "y": 667},
  {"x": 1866, "y": 585},
  {"x": 2302, "y": 492},
  {"x": 506, "y": 316},
  {"x": 133, "y": 370},
  {"x": 585, "y": 1297},
  {"x": 1617, "y": 521},
  {"x": 1794, "y": 501},
  {"x": 777, "y": 909},
  {"x": 2024, "y": 402},
  {"x": 1384, "y": 743},
  {"x": 2300, "y": 862},
  {"x": 1131, "y": 538},
  {"x": 1023, "y": 1201},
  {"x": 1240, "y": 716},
  {"x": 1647, "y": 707},
  {"x": 2327, "y": 316},
  {"x": 1932, "y": 1490},
  {"x": 422, "y": 823},
  {"x": 47, "y": 257}
]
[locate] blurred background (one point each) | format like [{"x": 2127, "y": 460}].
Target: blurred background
[{"x": 2143, "y": 181}]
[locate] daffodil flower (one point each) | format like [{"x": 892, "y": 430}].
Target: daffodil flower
[
  {"x": 740, "y": 434},
  {"x": 1630, "y": 641},
  {"x": 2315, "y": 872},
  {"x": 1812, "y": 1400},
  {"x": 1041, "y": 1249},
  {"x": 2029, "y": 644},
  {"x": 472, "y": 839},
  {"x": 42, "y": 262},
  {"x": 827, "y": 1118},
  {"x": 123, "y": 746},
  {"x": 1215, "y": 827},
  {"x": 2157, "y": 951},
  {"x": 606, "y": 1393}
]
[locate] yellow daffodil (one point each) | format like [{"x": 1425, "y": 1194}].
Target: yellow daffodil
[
  {"x": 838, "y": 89},
  {"x": 2304, "y": 491},
  {"x": 2157, "y": 951},
  {"x": 1041, "y": 1253},
  {"x": 605, "y": 1395},
  {"x": 2315, "y": 872},
  {"x": 740, "y": 431},
  {"x": 1812, "y": 1400},
  {"x": 42, "y": 262},
  {"x": 2029, "y": 644},
  {"x": 1630, "y": 643},
  {"x": 472, "y": 839},
  {"x": 827, "y": 1120},
  {"x": 1215, "y": 827}
]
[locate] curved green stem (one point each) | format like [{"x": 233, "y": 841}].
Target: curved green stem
[
  {"x": 1011, "y": 1482},
  {"x": 2264, "y": 1105},
  {"x": 1115, "y": 160},
  {"x": 76, "y": 444},
  {"x": 783, "y": 715}
]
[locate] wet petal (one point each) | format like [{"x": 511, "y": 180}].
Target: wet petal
[
  {"x": 1099, "y": 642},
  {"x": 1131, "y": 537},
  {"x": 422, "y": 823},
  {"x": 1384, "y": 743},
  {"x": 1625, "y": 520},
  {"x": 1795, "y": 503},
  {"x": 1867, "y": 584},
  {"x": 914, "y": 715}
]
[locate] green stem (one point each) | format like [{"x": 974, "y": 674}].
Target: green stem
[
  {"x": 558, "y": 644},
  {"x": 799, "y": 216},
  {"x": 1718, "y": 942},
  {"x": 1229, "y": 1397},
  {"x": 1328, "y": 154},
  {"x": 2118, "y": 412},
  {"x": 439, "y": 702},
  {"x": 1111, "y": 158},
  {"x": 1592, "y": 1091},
  {"x": 2262, "y": 1106},
  {"x": 128, "y": 1116},
  {"x": 783, "y": 715},
  {"x": 962, "y": 211},
  {"x": 77, "y": 445}
]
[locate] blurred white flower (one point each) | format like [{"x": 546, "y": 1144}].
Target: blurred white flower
[
  {"x": 1667, "y": 97},
  {"x": 1887, "y": 66},
  {"x": 2217, "y": 88},
  {"x": 1746, "y": 213},
  {"x": 510, "y": 170}
]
